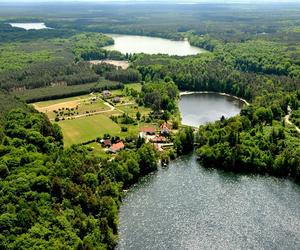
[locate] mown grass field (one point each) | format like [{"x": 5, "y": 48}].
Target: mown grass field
[{"x": 87, "y": 128}]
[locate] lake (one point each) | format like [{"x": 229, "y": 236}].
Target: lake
[
  {"x": 30, "y": 26},
  {"x": 151, "y": 45},
  {"x": 186, "y": 206},
  {"x": 200, "y": 108}
]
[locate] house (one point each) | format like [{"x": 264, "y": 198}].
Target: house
[
  {"x": 106, "y": 143},
  {"x": 106, "y": 93},
  {"x": 117, "y": 99},
  {"x": 148, "y": 130},
  {"x": 116, "y": 147},
  {"x": 165, "y": 129}
]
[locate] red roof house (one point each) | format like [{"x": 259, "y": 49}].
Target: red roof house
[
  {"x": 148, "y": 130},
  {"x": 117, "y": 147}
]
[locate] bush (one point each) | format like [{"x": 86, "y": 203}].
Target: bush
[{"x": 124, "y": 129}]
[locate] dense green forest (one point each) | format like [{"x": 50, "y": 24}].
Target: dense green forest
[
  {"x": 258, "y": 140},
  {"x": 53, "y": 197}
]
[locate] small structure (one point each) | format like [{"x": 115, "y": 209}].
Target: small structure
[
  {"x": 165, "y": 129},
  {"x": 106, "y": 93},
  {"x": 148, "y": 130},
  {"x": 117, "y": 99},
  {"x": 117, "y": 147},
  {"x": 107, "y": 143}
]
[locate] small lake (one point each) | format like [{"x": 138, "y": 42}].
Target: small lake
[
  {"x": 29, "y": 26},
  {"x": 186, "y": 206},
  {"x": 200, "y": 108},
  {"x": 151, "y": 45}
]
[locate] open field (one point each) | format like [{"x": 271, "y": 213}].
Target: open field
[
  {"x": 129, "y": 86},
  {"x": 87, "y": 128},
  {"x": 45, "y": 104},
  {"x": 84, "y": 118},
  {"x": 73, "y": 107},
  {"x": 132, "y": 109}
]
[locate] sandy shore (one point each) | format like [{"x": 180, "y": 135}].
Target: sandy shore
[{"x": 122, "y": 64}]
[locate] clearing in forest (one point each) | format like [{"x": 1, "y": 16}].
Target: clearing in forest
[{"x": 87, "y": 128}]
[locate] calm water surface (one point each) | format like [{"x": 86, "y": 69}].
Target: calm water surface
[
  {"x": 186, "y": 206},
  {"x": 200, "y": 108},
  {"x": 151, "y": 45},
  {"x": 30, "y": 26}
]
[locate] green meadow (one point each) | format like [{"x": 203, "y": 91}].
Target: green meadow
[{"x": 87, "y": 128}]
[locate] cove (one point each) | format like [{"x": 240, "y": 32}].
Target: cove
[
  {"x": 186, "y": 206},
  {"x": 151, "y": 45}
]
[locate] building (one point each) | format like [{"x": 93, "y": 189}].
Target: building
[
  {"x": 116, "y": 147},
  {"x": 148, "y": 130},
  {"x": 106, "y": 143},
  {"x": 117, "y": 99},
  {"x": 106, "y": 93},
  {"x": 165, "y": 129}
]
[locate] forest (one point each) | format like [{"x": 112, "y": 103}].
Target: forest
[{"x": 53, "y": 197}]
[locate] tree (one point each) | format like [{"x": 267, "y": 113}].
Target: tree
[
  {"x": 184, "y": 141},
  {"x": 138, "y": 115},
  {"x": 147, "y": 158}
]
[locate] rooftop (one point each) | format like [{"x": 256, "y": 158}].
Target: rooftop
[{"x": 117, "y": 146}]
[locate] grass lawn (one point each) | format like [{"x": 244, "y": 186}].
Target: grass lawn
[
  {"x": 87, "y": 128},
  {"x": 97, "y": 149},
  {"x": 135, "y": 86},
  {"x": 132, "y": 109},
  {"x": 80, "y": 105}
]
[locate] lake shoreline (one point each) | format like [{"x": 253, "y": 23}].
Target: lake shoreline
[{"x": 214, "y": 92}]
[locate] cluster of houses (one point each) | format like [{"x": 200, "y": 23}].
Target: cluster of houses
[
  {"x": 150, "y": 134},
  {"x": 107, "y": 94}
]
